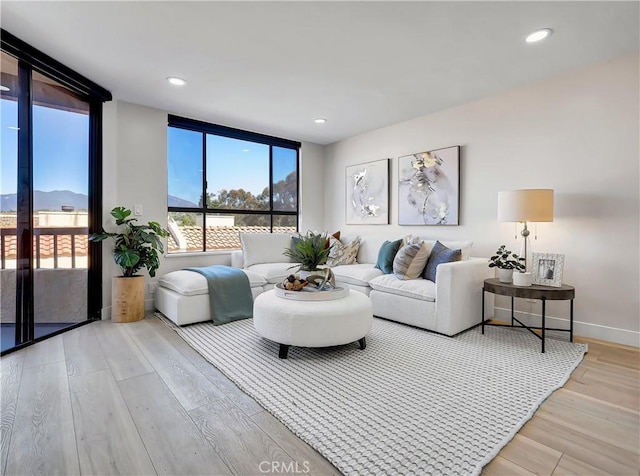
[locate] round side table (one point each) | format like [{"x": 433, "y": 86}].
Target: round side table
[{"x": 543, "y": 293}]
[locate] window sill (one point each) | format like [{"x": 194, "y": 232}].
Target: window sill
[{"x": 197, "y": 254}]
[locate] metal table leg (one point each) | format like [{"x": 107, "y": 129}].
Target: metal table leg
[
  {"x": 571, "y": 322},
  {"x": 512, "y": 314},
  {"x": 483, "y": 309},
  {"x": 544, "y": 301}
]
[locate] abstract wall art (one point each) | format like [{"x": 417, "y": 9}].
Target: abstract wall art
[
  {"x": 429, "y": 187},
  {"x": 367, "y": 193}
]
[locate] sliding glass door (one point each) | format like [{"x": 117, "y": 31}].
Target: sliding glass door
[
  {"x": 50, "y": 171},
  {"x": 8, "y": 197}
]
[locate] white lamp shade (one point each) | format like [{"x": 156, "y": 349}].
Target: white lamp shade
[{"x": 532, "y": 205}]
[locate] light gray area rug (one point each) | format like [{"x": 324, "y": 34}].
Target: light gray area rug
[{"x": 412, "y": 402}]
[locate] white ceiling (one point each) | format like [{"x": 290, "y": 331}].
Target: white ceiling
[{"x": 273, "y": 67}]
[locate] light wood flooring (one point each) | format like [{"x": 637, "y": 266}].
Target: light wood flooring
[{"x": 136, "y": 399}]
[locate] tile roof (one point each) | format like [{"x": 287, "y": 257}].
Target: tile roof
[{"x": 219, "y": 238}]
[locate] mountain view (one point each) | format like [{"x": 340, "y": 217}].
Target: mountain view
[
  {"x": 50, "y": 201},
  {"x": 179, "y": 202}
]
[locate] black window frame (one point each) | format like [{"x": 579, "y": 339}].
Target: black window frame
[
  {"x": 205, "y": 129},
  {"x": 32, "y": 60}
]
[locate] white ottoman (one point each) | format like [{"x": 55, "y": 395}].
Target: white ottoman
[{"x": 312, "y": 323}]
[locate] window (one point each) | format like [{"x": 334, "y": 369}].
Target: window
[
  {"x": 222, "y": 181},
  {"x": 51, "y": 195}
]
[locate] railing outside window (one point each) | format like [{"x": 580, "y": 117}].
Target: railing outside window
[{"x": 52, "y": 247}]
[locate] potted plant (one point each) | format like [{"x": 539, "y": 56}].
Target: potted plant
[
  {"x": 506, "y": 262},
  {"x": 310, "y": 250},
  {"x": 136, "y": 247}
]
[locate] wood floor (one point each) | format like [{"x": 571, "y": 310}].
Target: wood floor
[{"x": 135, "y": 399}]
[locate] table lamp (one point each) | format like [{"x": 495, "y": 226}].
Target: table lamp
[{"x": 529, "y": 205}]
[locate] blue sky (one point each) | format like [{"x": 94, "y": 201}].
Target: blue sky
[
  {"x": 231, "y": 164},
  {"x": 60, "y": 149},
  {"x": 61, "y": 144}
]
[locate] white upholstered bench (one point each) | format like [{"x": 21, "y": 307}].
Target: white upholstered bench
[{"x": 183, "y": 296}]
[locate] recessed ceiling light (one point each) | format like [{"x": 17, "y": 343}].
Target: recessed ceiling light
[
  {"x": 538, "y": 35},
  {"x": 4, "y": 88},
  {"x": 246, "y": 150},
  {"x": 320, "y": 120},
  {"x": 176, "y": 81}
]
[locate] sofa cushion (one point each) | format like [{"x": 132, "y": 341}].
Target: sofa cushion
[
  {"x": 357, "y": 274},
  {"x": 411, "y": 260},
  {"x": 189, "y": 283},
  {"x": 440, "y": 254},
  {"x": 343, "y": 254},
  {"x": 274, "y": 272},
  {"x": 387, "y": 253},
  {"x": 421, "y": 289},
  {"x": 463, "y": 246},
  {"x": 264, "y": 247}
]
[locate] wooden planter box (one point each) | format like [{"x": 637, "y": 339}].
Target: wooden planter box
[{"x": 127, "y": 298}]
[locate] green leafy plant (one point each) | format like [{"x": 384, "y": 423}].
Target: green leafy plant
[
  {"x": 505, "y": 259},
  {"x": 137, "y": 246},
  {"x": 310, "y": 250}
]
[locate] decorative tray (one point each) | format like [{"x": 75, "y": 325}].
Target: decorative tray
[{"x": 311, "y": 294}]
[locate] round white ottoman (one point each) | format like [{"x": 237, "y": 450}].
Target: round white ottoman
[{"x": 312, "y": 323}]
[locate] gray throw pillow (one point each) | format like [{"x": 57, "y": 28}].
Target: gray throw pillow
[{"x": 440, "y": 254}]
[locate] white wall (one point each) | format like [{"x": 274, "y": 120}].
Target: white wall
[
  {"x": 578, "y": 134},
  {"x": 311, "y": 187},
  {"x": 135, "y": 172}
]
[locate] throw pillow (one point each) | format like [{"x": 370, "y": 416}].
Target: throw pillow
[
  {"x": 264, "y": 247},
  {"x": 386, "y": 255},
  {"x": 336, "y": 235},
  {"x": 294, "y": 242},
  {"x": 440, "y": 254},
  {"x": 343, "y": 254},
  {"x": 410, "y": 260}
]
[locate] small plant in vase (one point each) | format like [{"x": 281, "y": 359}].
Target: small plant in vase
[
  {"x": 506, "y": 262},
  {"x": 311, "y": 251}
]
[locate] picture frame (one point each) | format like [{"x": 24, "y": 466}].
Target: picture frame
[
  {"x": 367, "y": 193},
  {"x": 429, "y": 187},
  {"x": 547, "y": 269}
]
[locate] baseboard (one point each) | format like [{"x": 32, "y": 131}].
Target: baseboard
[
  {"x": 105, "y": 314},
  {"x": 583, "y": 329}
]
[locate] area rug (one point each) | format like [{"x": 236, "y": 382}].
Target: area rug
[{"x": 412, "y": 402}]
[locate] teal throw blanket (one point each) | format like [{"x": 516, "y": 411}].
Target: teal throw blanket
[{"x": 229, "y": 293}]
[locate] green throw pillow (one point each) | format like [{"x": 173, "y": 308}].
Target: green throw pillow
[
  {"x": 440, "y": 254},
  {"x": 386, "y": 255}
]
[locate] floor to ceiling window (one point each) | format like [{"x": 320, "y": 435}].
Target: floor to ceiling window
[{"x": 50, "y": 195}]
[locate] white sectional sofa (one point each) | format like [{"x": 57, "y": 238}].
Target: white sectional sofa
[
  {"x": 183, "y": 296},
  {"x": 449, "y": 306}
]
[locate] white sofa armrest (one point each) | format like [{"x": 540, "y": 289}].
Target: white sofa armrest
[
  {"x": 459, "y": 294},
  {"x": 237, "y": 259}
]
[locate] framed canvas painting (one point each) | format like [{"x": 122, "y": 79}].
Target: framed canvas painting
[
  {"x": 367, "y": 193},
  {"x": 429, "y": 187}
]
